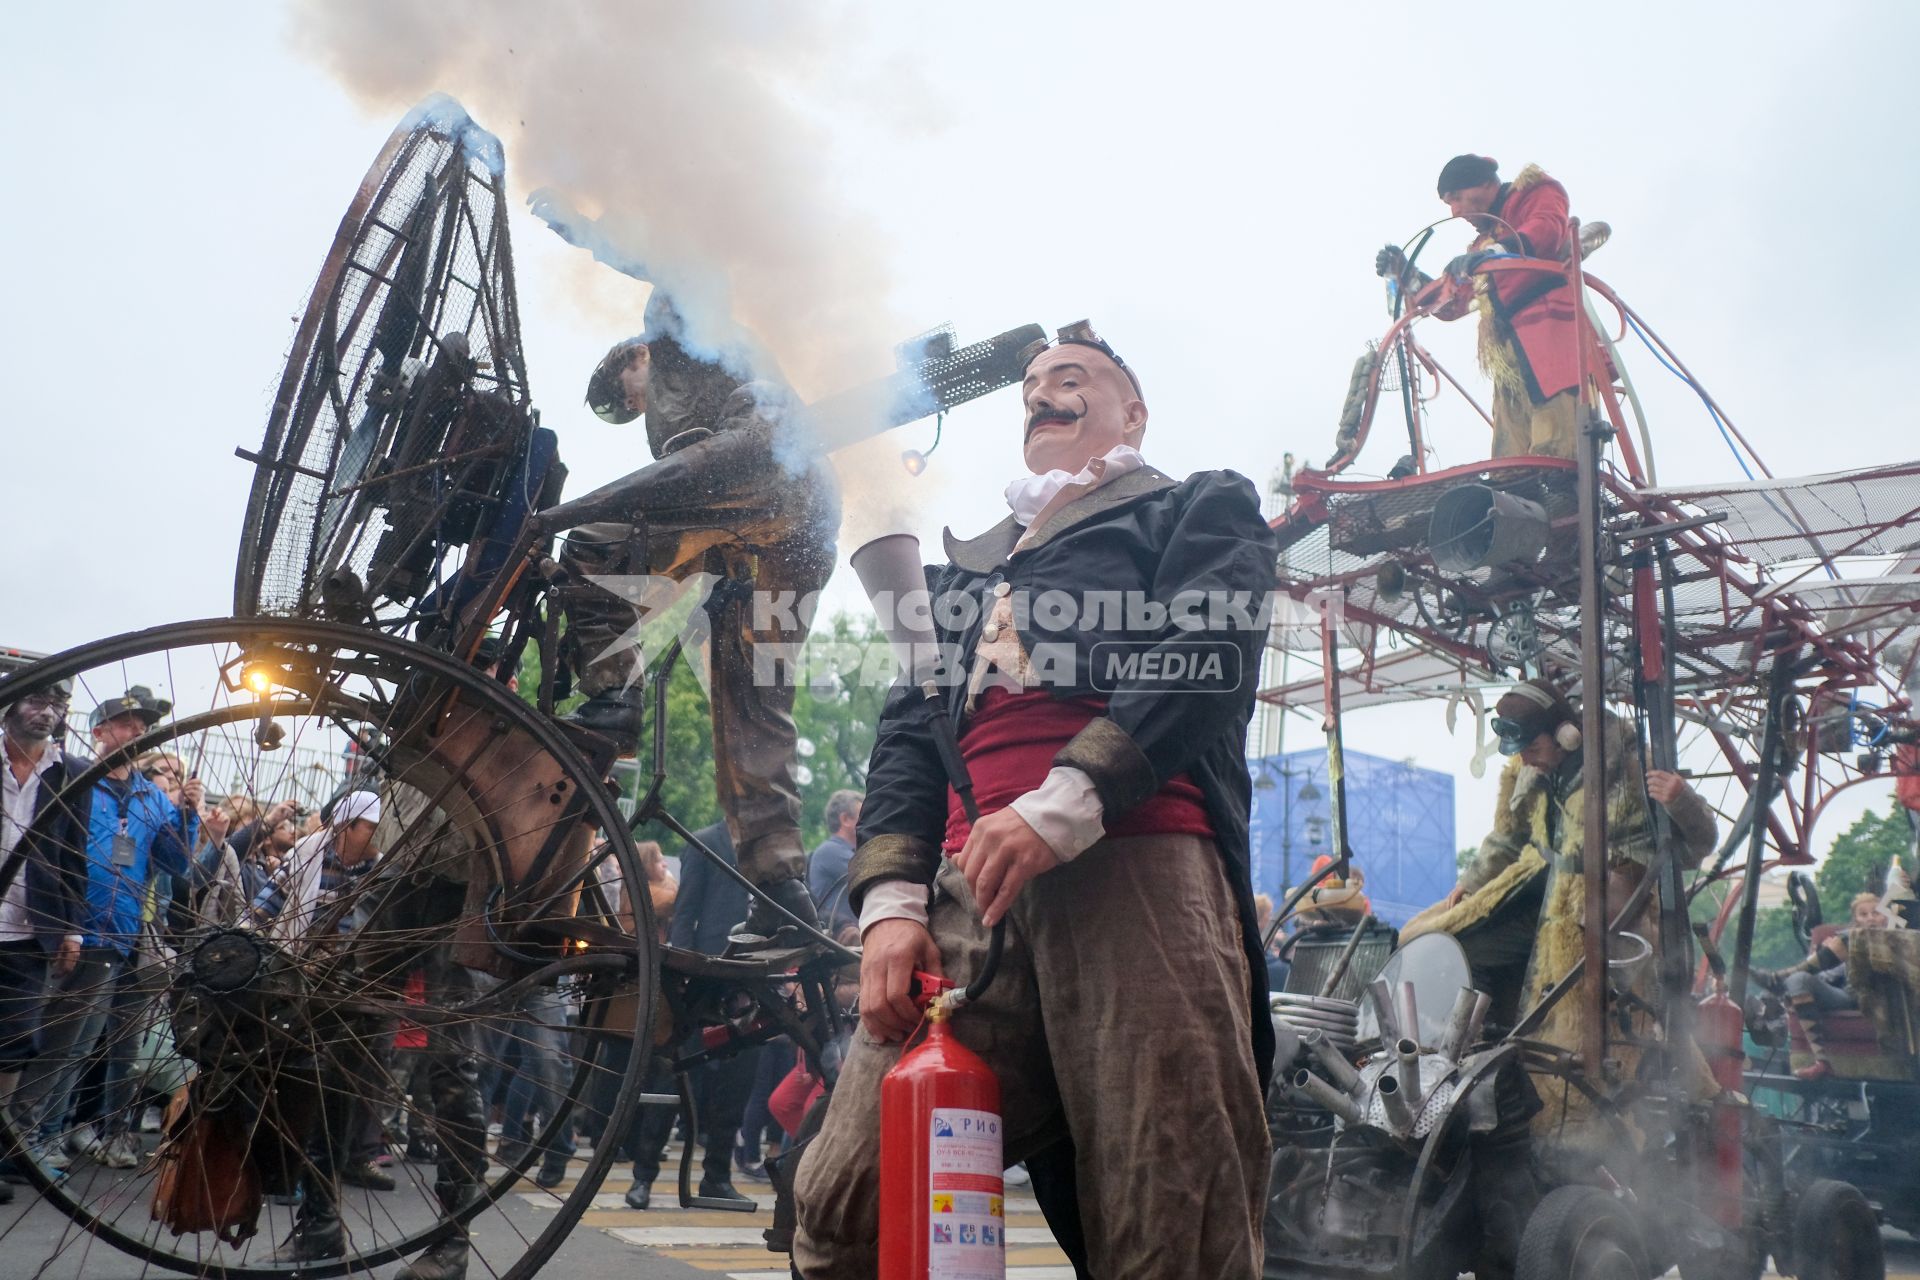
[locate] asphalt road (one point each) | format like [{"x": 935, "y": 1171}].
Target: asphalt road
[{"x": 611, "y": 1241}]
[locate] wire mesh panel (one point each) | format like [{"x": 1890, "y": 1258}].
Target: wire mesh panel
[{"x": 402, "y": 416}]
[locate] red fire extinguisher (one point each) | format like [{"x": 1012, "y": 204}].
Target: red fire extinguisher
[
  {"x": 942, "y": 1194},
  {"x": 1720, "y": 1030},
  {"x": 943, "y": 1212}
]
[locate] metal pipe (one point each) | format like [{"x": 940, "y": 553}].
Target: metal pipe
[
  {"x": 1393, "y": 1098},
  {"x": 1779, "y": 690},
  {"x": 1325, "y": 1096},
  {"x": 1345, "y": 961},
  {"x": 1406, "y": 1013},
  {"x": 1463, "y": 1024},
  {"x": 1382, "y": 998},
  {"x": 1593, "y": 692},
  {"x": 1409, "y": 1077},
  {"x": 1332, "y": 1062}
]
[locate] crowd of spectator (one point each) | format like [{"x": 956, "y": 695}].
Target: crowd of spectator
[{"x": 110, "y": 882}]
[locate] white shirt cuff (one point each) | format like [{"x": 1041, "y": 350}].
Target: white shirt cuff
[
  {"x": 75, "y": 938},
  {"x": 893, "y": 900},
  {"x": 1064, "y": 811}
]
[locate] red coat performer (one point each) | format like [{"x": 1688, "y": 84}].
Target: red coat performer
[{"x": 1527, "y": 320}]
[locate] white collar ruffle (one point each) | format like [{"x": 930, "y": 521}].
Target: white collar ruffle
[{"x": 1029, "y": 495}]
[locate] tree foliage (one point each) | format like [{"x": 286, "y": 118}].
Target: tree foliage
[{"x": 1859, "y": 859}]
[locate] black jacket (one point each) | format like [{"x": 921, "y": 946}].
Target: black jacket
[
  {"x": 53, "y": 854},
  {"x": 711, "y": 903},
  {"x": 1142, "y": 540}
]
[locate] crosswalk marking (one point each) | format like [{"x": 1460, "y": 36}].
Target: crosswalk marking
[
  {"x": 705, "y": 1235},
  {"x": 731, "y": 1243}
]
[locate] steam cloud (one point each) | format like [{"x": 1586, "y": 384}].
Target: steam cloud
[
  {"x": 688, "y": 129},
  {"x": 693, "y": 137}
]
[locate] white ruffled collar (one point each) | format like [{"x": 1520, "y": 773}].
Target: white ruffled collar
[{"x": 1029, "y": 495}]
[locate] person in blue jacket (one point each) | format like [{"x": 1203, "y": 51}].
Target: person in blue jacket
[{"x": 134, "y": 833}]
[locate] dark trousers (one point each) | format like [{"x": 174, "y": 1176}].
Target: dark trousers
[
  {"x": 727, "y": 503},
  {"x": 1500, "y": 947},
  {"x": 23, "y": 989},
  {"x": 775, "y": 1061},
  {"x": 95, "y": 1007},
  {"x": 720, "y": 1091}
]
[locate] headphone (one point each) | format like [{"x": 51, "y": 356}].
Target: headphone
[{"x": 1566, "y": 734}]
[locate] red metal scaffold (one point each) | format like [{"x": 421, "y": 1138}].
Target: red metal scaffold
[{"x": 1709, "y": 588}]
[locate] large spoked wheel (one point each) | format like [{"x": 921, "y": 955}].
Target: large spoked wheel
[{"x": 330, "y": 1034}]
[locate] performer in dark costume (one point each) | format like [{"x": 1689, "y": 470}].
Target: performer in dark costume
[{"x": 1129, "y": 1014}]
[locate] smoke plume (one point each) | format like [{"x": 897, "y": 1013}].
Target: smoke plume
[{"x": 695, "y": 136}]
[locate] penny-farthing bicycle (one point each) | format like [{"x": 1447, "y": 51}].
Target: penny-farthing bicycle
[{"x": 391, "y": 578}]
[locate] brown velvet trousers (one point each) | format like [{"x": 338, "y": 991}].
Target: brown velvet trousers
[{"x": 1119, "y": 1015}]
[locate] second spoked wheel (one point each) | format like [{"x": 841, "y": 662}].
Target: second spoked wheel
[{"x": 333, "y": 1016}]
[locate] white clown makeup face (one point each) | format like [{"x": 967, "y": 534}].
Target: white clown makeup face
[{"x": 1077, "y": 405}]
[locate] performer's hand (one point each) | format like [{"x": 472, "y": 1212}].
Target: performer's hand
[
  {"x": 1461, "y": 268},
  {"x": 1002, "y": 853},
  {"x": 1454, "y": 896},
  {"x": 1390, "y": 261},
  {"x": 1666, "y": 787},
  {"x": 66, "y": 957},
  {"x": 890, "y": 951}
]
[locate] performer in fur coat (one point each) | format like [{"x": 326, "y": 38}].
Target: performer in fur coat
[{"x": 1519, "y": 908}]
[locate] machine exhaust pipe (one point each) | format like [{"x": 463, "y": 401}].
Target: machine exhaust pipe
[
  {"x": 889, "y": 571},
  {"x": 1464, "y": 1023},
  {"x": 1382, "y": 997},
  {"x": 1406, "y": 1013},
  {"x": 1399, "y": 1111},
  {"x": 1332, "y": 1063},
  {"x": 1409, "y": 1075},
  {"x": 1324, "y": 1095}
]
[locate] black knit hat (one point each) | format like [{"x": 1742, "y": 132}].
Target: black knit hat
[{"x": 1462, "y": 172}]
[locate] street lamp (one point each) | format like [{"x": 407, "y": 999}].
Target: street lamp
[{"x": 1307, "y": 794}]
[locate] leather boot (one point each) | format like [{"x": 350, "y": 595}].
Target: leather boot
[
  {"x": 445, "y": 1261},
  {"x": 448, "y": 1259},
  {"x": 616, "y": 715},
  {"x": 720, "y": 1187},
  {"x": 765, "y": 929},
  {"x": 317, "y": 1234}
]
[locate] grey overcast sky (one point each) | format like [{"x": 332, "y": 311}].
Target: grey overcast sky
[{"x": 1208, "y": 182}]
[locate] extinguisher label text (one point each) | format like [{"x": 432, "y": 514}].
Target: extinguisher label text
[{"x": 965, "y": 1193}]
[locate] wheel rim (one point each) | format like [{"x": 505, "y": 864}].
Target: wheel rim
[{"x": 322, "y": 1016}]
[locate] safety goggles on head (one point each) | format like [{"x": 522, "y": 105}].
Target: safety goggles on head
[
  {"x": 1514, "y": 735},
  {"x": 1078, "y": 334}
]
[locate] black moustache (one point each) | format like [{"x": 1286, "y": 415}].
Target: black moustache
[{"x": 1056, "y": 415}]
